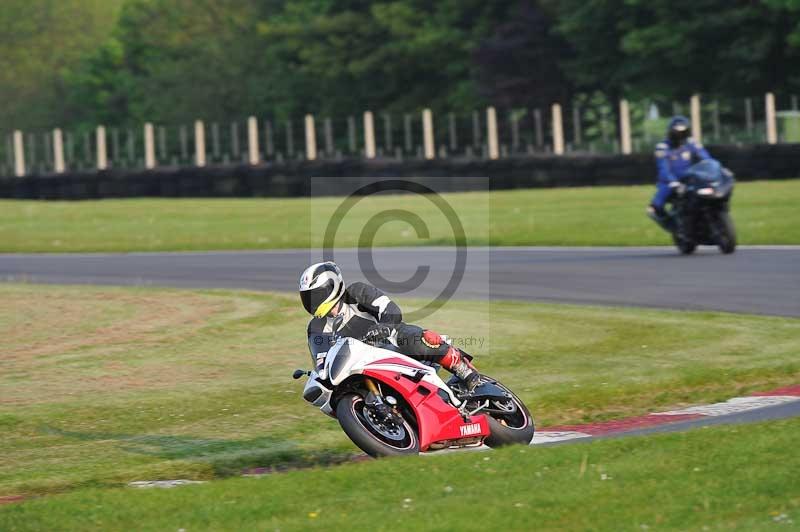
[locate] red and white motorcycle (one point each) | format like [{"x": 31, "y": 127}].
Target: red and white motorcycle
[{"x": 390, "y": 404}]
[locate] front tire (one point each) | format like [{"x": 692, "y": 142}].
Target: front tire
[
  {"x": 726, "y": 233},
  {"x": 369, "y": 434},
  {"x": 516, "y": 427},
  {"x": 686, "y": 247}
]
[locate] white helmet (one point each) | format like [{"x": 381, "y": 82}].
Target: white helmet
[{"x": 321, "y": 287}]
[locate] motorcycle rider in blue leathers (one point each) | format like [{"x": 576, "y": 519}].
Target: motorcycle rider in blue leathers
[{"x": 674, "y": 155}]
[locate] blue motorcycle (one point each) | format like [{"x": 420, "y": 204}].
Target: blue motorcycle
[{"x": 699, "y": 212}]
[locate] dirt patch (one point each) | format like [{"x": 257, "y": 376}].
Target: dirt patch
[
  {"x": 285, "y": 468},
  {"x": 9, "y": 499},
  {"x": 72, "y": 322},
  {"x": 107, "y": 340},
  {"x": 62, "y": 323}
]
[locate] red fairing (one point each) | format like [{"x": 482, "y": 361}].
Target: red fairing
[
  {"x": 438, "y": 420},
  {"x": 402, "y": 361}
]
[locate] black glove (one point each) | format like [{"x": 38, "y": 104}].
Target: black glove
[{"x": 377, "y": 333}]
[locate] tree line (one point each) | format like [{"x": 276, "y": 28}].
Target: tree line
[{"x": 118, "y": 62}]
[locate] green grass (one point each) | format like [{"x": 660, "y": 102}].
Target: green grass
[
  {"x": 765, "y": 212},
  {"x": 102, "y": 386},
  {"x": 724, "y": 478}
]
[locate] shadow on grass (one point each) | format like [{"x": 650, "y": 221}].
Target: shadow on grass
[{"x": 226, "y": 457}]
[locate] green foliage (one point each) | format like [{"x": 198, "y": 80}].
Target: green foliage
[
  {"x": 349, "y": 56},
  {"x": 171, "y": 60},
  {"x": 181, "y": 59},
  {"x": 117, "y": 62},
  {"x": 791, "y": 8},
  {"x": 40, "y": 40},
  {"x": 520, "y": 63},
  {"x": 672, "y": 48}
]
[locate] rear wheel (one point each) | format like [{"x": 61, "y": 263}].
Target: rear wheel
[
  {"x": 509, "y": 420},
  {"x": 372, "y": 434},
  {"x": 726, "y": 233}
]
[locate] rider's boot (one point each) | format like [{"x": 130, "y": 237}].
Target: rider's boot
[
  {"x": 660, "y": 216},
  {"x": 455, "y": 362},
  {"x": 656, "y": 213}
]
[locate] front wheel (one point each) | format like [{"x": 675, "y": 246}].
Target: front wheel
[
  {"x": 509, "y": 420},
  {"x": 376, "y": 437},
  {"x": 726, "y": 233},
  {"x": 685, "y": 246}
]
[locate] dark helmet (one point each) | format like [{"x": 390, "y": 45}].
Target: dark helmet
[{"x": 679, "y": 130}]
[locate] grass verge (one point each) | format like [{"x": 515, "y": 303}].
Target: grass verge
[
  {"x": 102, "y": 386},
  {"x": 765, "y": 213},
  {"x": 735, "y": 477}
]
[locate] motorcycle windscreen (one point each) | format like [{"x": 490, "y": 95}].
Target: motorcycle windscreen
[
  {"x": 705, "y": 171},
  {"x": 319, "y": 343}
]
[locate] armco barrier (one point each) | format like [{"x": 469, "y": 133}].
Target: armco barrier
[{"x": 781, "y": 161}]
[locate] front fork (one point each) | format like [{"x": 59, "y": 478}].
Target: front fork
[
  {"x": 384, "y": 406},
  {"x": 372, "y": 387}
]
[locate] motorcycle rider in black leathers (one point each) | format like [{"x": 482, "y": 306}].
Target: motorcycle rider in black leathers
[{"x": 363, "y": 312}]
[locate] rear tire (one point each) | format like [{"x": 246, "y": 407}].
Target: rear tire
[
  {"x": 726, "y": 233},
  {"x": 351, "y": 413},
  {"x": 513, "y": 429}
]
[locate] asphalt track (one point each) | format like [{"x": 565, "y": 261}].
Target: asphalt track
[{"x": 757, "y": 279}]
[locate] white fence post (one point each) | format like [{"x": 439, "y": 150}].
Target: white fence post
[
  {"x": 19, "y": 154},
  {"x": 427, "y": 133},
  {"x": 491, "y": 133},
  {"x": 149, "y": 147},
  {"x": 558, "y": 130},
  {"x": 369, "y": 135},
  {"x": 58, "y": 151},
  {"x": 102, "y": 154},
  {"x": 697, "y": 123},
  {"x": 772, "y": 129},
  {"x": 252, "y": 140},
  {"x": 625, "y": 127},
  {"x": 311, "y": 138},
  {"x": 199, "y": 143}
]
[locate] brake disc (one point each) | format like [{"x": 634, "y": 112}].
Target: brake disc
[{"x": 386, "y": 428}]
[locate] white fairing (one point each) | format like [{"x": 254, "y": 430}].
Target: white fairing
[
  {"x": 312, "y": 387},
  {"x": 354, "y": 357}
]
